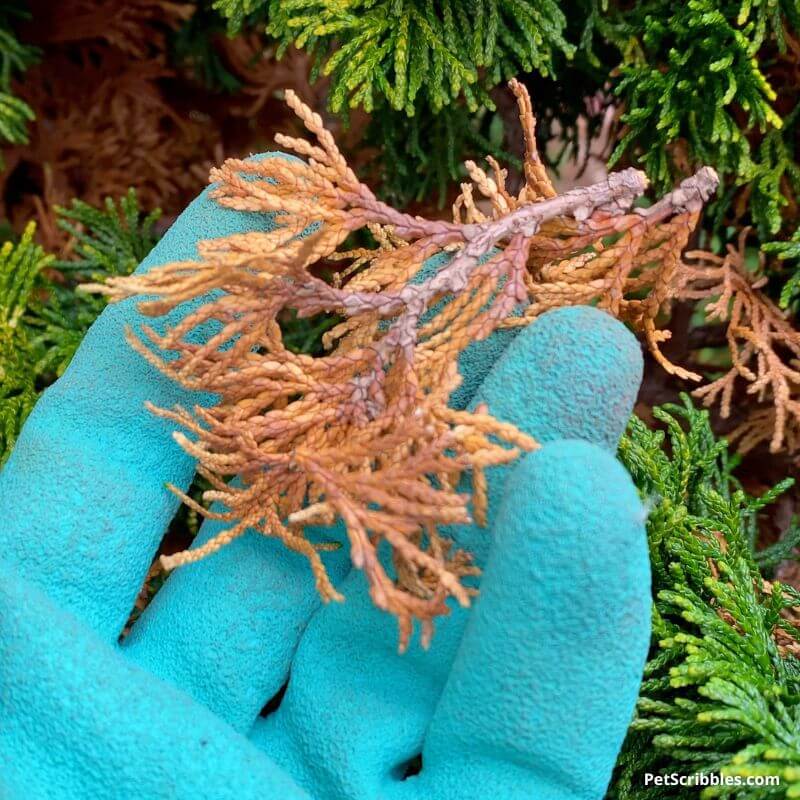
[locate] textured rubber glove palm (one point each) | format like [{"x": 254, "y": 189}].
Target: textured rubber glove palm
[{"x": 526, "y": 695}]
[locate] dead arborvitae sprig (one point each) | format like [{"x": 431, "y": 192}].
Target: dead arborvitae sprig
[
  {"x": 646, "y": 259},
  {"x": 763, "y": 345},
  {"x": 628, "y": 261},
  {"x": 364, "y": 433}
]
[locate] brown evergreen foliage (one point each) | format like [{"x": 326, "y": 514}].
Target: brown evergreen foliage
[
  {"x": 104, "y": 120},
  {"x": 764, "y": 349},
  {"x": 114, "y": 109},
  {"x": 358, "y": 432}
]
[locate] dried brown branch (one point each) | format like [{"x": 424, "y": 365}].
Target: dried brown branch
[
  {"x": 364, "y": 433},
  {"x": 105, "y": 119},
  {"x": 136, "y": 27},
  {"x": 764, "y": 349},
  {"x": 252, "y": 59}
]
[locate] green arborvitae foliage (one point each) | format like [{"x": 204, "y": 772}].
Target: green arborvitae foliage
[
  {"x": 411, "y": 170},
  {"x": 43, "y": 319},
  {"x": 719, "y": 696},
  {"x": 21, "y": 265},
  {"x": 783, "y": 550},
  {"x": 193, "y": 48},
  {"x": 15, "y": 57},
  {"x": 406, "y": 52},
  {"x": 788, "y": 251},
  {"x": 107, "y": 241},
  {"x": 774, "y": 174},
  {"x": 242, "y": 13},
  {"x": 693, "y": 80}
]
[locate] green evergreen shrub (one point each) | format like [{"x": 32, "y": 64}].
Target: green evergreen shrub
[
  {"x": 721, "y": 691},
  {"x": 42, "y": 317},
  {"x": 15, "y": 57}
]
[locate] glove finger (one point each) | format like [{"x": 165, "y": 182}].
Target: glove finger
[
  {"x": 572, "y": 374},
  {"x": 349, "y": 688},
  {"x": 355, "y": 712},
  {"x": 83, "y": 502},
  {"x": 545, "y": 680},
  {"x": 224, "y": 629},
  {"x": 79, "y": 721}
]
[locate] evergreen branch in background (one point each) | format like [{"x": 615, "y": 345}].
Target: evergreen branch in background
[
  {"x": 15, "y": 114},
  {"x": 695, "y": 90},
  {"x": 774, "y": 178},
  {"x": 784, "y": 549},
  {"x": 15, "y": 57},
  {"x": 720, "y": 691},
  {"x": 106, "y": 241},
  {"x": 682, "y": 78},
  {"x": 242, "y": 13},
  {"x": 42, "y": 317},
  {"x": 21, "y": 265},
  {"x": 110, "y": 240},
  {"x": 194, "y": 45},
  {"x": 788, "y": 251},
  {"x": 422, "y": 156},
  {"x": 404, "y": 52}
]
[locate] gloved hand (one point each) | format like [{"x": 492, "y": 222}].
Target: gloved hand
[{"x": 526, "y": 695}]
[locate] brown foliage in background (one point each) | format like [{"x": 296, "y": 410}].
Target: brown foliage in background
[{"x": 112, "y": 111}]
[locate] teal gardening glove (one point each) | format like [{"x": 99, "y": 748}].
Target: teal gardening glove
[{"x": 526, "y": 695}]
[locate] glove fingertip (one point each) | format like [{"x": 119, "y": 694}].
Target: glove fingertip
[
  {"x": 544, "y": 684},
  {"x": 573, "y": 374},
  {"x": 204, "y": 218}
]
